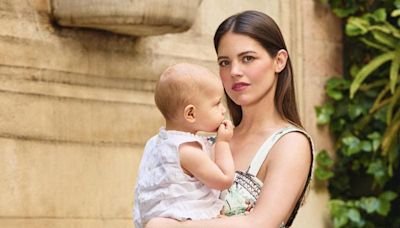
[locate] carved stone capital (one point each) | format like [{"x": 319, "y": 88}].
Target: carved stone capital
[{"x": 130, "y": 17}]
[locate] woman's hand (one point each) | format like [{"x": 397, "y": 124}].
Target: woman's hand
[{"x": 163, "y": 223}]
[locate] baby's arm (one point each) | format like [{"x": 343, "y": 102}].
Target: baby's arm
[{"x": 217, "y": 175}]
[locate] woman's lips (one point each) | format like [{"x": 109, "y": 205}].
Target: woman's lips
[{"x": 239, "y": 86}]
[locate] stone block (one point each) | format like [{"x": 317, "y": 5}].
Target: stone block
[
  {"x": 45, "y": 179},
  {"x": 132, "y": 17},
  {"x": 65, "y": 223},
  {"x": 91, "y": 121}
]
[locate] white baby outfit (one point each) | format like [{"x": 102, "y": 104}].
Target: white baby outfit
[{"x": 164, "y": 190}]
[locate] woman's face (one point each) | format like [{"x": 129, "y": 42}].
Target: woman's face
[{"x": 247, "y": 71}]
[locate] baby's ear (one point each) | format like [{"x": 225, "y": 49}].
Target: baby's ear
[{"x": 189, "y": 113}]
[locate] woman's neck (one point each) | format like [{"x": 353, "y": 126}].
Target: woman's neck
[{"x": 260, "y": 117}]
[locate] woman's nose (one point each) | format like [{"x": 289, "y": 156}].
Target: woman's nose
[{"x": 236, "y": 70}]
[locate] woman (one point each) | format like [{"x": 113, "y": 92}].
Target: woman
[{"x": 272, "y": 154}]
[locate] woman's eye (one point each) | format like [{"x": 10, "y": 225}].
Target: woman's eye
[
  {"x": 223, "y": 63},
  {"x": 247, "y": 59}
]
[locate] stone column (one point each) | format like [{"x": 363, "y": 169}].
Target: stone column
[{"x": 318, "y": 53}]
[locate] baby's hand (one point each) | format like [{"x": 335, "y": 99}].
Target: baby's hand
[{"x": 225, "y": 131}]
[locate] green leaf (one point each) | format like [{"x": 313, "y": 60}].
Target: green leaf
[
  {"x": 376, "y": 138},
  {"x": 355, "y": 110},
  {"x": 334, "y": 86},
  {"x": 381, "y": 28},
  {"x": 356, "y": 26},
  {"x": 394, "y": 71},
  {"x": 391, "y": 134},
  {"x": 380, "y": 114},
  {"x": 339, "y": 213},
  {"x": 324, "y": 113},
  {"x": 384, "y": 38},
  {"x": 344, "y": 12},
  {"x": 340, "y": 221},
  {"x": 369, "y": 204},
  {"x": 354, "y": 215},
  {"x": 373, "y": 87},
  {"x": 394, "y": 30},
  {"x": 377, "y": 101},
  {"x": 366, "y": 146},
  {"x": 372, "y": 44},
  {"x": 353, "y": 145},
  {"x": 323, "y": 159},
  {"x": 337, "y": 82},
  {"x": 379, "y": 171},
  {"x": 393, "y": 157},
  {"x": 384, "y": 208},
  {"x": 388, "y": 196},
  {"x": 393, "y": 101},
  {"x": 397, "y": 4},
  {"x": 334, "y": 94},
  {"x": 336, "y": 206},
  {"x": 380, "y": 15},
  {"x": 323, "y": 174},
  {"x": 368, "y": 69},
  {"x": 395, "y": 13},
  {"x": 354, "y": 69}
]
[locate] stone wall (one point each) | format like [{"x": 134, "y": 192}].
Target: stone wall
[{"x": 77, "y": 106}]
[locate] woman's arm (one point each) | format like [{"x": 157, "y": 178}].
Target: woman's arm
[{"x": 288, "y": 165}]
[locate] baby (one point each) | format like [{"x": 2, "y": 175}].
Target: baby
[{"x": 181, "y": 173}]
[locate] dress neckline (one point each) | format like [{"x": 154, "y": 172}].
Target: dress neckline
[
  {"x": 258, "y": 150},
  {"x": 163, "y": 133},
  {"x": 265, "y": 144}
]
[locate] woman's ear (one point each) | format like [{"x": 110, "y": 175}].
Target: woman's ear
[
  {"x": 280, "y": 60},
  {"x": 189, "y": 113}
]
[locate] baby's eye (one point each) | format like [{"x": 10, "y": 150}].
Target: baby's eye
[
  {"x": 247, "y": 58},
  {"x": 223, "y": 63}
]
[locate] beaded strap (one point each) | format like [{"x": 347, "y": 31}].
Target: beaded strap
[{"x": 247, "y": 182}]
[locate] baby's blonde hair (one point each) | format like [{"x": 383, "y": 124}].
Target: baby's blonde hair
[{"x": 177, "y": 87}]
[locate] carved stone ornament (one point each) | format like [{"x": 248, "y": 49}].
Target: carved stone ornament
[{"x": 131, "y": 17}]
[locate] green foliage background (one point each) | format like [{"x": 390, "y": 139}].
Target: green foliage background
[{"x": 363, "y": 115}]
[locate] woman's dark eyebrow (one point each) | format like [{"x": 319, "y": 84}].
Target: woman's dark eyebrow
[
  {"x": 222, "y": 57},
  {"x": 246, "y": 52},
  {"x": 240, "y": 54}
]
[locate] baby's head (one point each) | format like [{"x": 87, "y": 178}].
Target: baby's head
[{"x": 189, "y": 97}]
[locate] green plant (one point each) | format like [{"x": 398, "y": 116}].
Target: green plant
[{"x": 363, "y": 114}]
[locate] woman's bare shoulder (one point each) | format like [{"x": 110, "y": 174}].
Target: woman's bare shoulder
[
  {"x": 294, "y": 146},
  {"x": 296, "y": 138}
]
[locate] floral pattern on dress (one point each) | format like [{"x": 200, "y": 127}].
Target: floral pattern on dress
[{"x": 241, "y": 197}]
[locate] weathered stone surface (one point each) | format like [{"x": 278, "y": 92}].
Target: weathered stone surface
[
  {"x": 133, "y": 17},
  {"x": 65, "y": 223},
  {"x": 50, "y": 179},
  {"x": 76, "y": 120}
]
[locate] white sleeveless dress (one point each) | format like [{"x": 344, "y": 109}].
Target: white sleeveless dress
[
  {"x": 164, "y": 190},
  {"x": 242, "y": 196}
]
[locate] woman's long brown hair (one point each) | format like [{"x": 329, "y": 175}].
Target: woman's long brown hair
[{"x": 265, "y": 31}]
